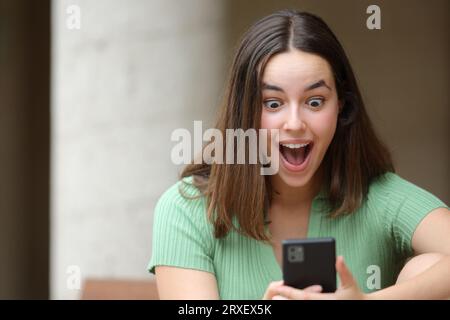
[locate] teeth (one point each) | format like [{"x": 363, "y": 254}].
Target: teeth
[{"x": 294, "y": 146}]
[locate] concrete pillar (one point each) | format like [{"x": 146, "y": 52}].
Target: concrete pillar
[{"x": 133, "y": 72}]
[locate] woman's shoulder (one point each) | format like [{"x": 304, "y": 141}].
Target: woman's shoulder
[
  {"x": 404, "y": 205},
  {"x": 394, "y": 191},
  {"x": 391, "y": 183},
  {"x": 181, "y": 200},
  {"x": 182, "y": 190}
]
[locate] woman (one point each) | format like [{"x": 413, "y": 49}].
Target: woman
[{"x": 217, "y": 232}]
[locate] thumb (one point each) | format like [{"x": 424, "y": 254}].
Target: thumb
[{"x": 345, "y": 275}]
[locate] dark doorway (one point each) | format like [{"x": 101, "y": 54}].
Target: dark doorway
[{"x": 24, "y": 148}]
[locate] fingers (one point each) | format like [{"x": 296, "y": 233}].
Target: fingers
[
  {"x": 312, "y": 292},
  {"x": 319, "y": 296},
  {"x": 345, "y": 275},
  {"x": 278, "y": 297},
  {"x": 272, "y": 290},
  {"x": 314, "y": 288},
  {"x": 279, "y": 291}
]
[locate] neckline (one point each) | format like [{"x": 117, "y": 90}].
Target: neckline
[{"x": 313, "y": 230}]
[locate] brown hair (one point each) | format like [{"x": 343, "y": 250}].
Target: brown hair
[{"x": 354, "y": 158}]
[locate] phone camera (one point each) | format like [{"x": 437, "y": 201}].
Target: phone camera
[{"x": 295, "y": 254}]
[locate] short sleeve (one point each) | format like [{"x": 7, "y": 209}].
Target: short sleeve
[
  {"x": 182, "y": 234},
  {"x": 407, "y": 206}
]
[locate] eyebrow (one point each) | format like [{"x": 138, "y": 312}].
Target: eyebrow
[
  {"x": 318, "y": 84},
  {"x": 315, "y": 85}
]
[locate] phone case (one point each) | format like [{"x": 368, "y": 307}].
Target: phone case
[{"x": 309, "y": 262}]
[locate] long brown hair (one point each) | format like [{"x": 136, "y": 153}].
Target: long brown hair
[{"x": 354, "y": 158}]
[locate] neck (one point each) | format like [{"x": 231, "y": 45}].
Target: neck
[{"x": 288, "y": 196}]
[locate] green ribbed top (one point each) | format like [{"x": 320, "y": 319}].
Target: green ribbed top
[{"x": 375, "y": 240}]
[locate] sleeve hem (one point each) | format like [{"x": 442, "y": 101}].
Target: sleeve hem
[
  {"x": 414, "y": 224},
  {"x": 151, "y": 267}
]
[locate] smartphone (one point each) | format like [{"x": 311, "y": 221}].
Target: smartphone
[{"x": 307, "y": 262}]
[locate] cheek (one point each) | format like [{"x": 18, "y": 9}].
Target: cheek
[
  {"x": 267, "y": 120},
  {"x": 324, "y": 126}
]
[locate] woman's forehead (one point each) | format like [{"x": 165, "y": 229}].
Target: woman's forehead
[{"x": 297, "y": 67}]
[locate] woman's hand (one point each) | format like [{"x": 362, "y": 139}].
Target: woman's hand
[{"x": 348, "y": 289}]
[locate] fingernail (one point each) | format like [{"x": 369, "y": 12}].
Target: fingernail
[
  {"x": 318, "y": 288},
  {"x": 315, "y": 288}
]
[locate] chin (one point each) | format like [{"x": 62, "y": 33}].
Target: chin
[{"x": 294, "y": 180}]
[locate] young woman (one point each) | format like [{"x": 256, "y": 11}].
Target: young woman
[{"x": 218, "y": 232}]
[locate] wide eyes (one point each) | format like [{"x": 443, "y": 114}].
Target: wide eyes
[
  {"x": 314, "y": 103},
  {"x": 272, "y": 104}
]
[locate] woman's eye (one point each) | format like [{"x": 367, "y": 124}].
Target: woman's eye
[
  {"x": 272, "y": 104},
  {"x": 315, "y": 102}
]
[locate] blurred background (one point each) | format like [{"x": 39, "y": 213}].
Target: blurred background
[{"x": 86, "y": 113}]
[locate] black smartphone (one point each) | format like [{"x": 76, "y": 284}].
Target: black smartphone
[{"x": 308, "y": 262}]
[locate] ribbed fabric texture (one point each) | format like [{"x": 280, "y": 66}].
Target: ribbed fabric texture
[{"x": 375, "y": 240}]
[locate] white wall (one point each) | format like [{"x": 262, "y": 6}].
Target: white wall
[{"x": 135, "y": 71}]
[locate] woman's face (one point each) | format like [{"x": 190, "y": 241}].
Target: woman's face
[{"x": 300, "y": 99}]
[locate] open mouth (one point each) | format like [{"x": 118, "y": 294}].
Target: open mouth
[{"x": 295, "y": 153}]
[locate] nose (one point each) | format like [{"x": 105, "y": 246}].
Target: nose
[{"x": 294, "y": 121}]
